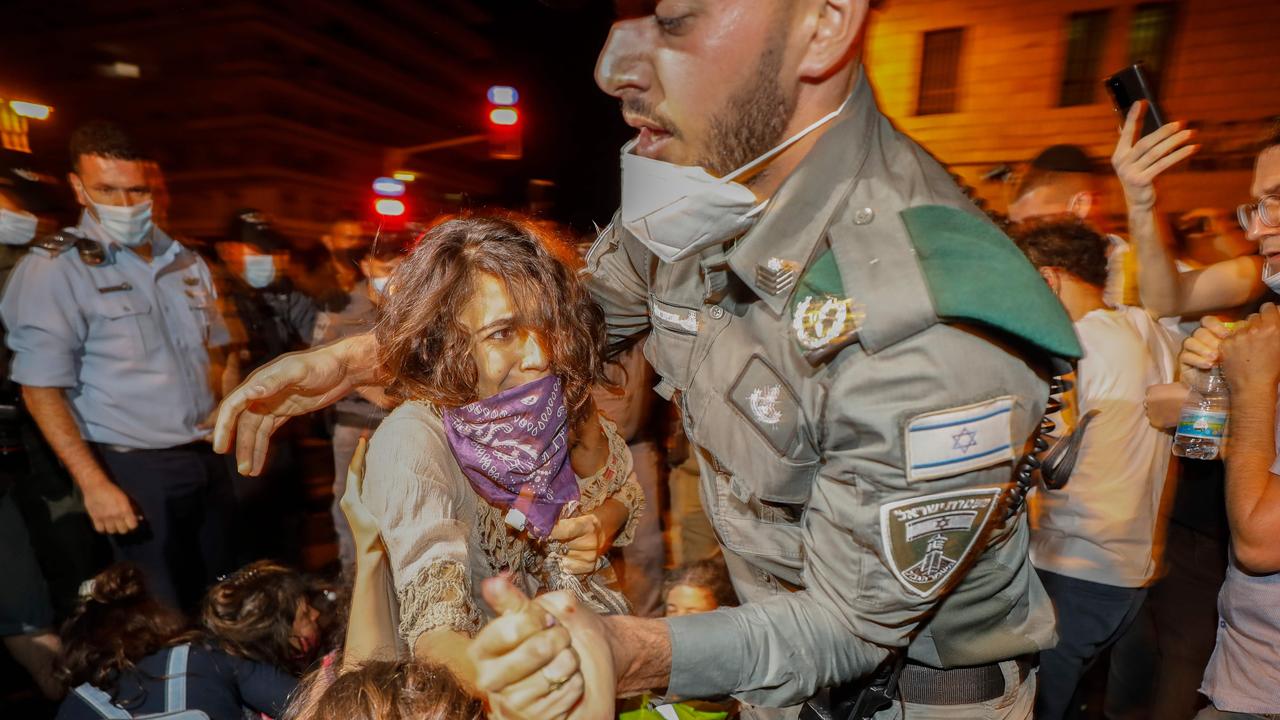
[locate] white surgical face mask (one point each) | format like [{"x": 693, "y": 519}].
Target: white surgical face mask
[
  {"x": 129, "y": 225},
  {"x": 1270, "y": 278},
  {"x": 677, "y": 210},
  {"x": 259, "y": 270},
  {"x": 379, "y": 284},
  {"x": 17, "y": 228}
]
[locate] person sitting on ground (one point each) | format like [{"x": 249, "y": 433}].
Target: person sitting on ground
[
  {"x": 695, "y": 587},
  {"x": 394, "y": 690},
  {"x": 263, "y": 613},
  {"x": 126, "y": 652},
  {"x": 699, "y": 586}
]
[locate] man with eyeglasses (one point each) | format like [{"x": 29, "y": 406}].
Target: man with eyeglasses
[
  {"x": 116, "y": 339},
  {"x": 1242, "y": 676}
]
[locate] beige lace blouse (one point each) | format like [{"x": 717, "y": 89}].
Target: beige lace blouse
[{"x": 442, "y": 539}]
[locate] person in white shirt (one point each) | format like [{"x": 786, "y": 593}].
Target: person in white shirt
[{"x": 1094, "y": 542}]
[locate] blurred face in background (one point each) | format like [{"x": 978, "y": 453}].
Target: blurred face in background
[
  {"x": 305, "y": 636},
  {"x": 689, "y": 600},
  {"x": 345, "y": 237},
  {"x": 1066, "y": 198},
  {"x": 257, "y": 267},
  {"x": 1211, "y": 235},
  {"x": 378, "y": 273}
]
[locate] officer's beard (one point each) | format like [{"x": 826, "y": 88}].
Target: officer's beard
[{"x": 755, "y": 118}]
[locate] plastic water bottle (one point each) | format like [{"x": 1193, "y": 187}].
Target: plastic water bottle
[{"x": 1202, "y": 426}]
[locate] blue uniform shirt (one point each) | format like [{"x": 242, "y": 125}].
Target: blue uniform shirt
[{"x": 128, "y": 339}]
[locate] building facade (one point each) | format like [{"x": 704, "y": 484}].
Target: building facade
[
  {"x": 986, "y": 83},
  {"x": 285, "y": 106}
]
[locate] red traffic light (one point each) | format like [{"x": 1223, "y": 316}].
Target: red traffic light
[{"x": 506, "y": 141}]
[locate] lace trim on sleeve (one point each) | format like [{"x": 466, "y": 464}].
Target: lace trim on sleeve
[
  {"x": 615, "y": 480},
  {"x": 439, "y": 597}
]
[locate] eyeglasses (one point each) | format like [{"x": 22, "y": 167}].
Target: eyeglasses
[{"x": 1266, "y": 209}]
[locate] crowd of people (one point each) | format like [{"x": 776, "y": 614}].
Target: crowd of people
[{"x": 803, "y": 434}]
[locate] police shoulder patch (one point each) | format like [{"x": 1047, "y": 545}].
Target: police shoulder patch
[{"x": 927, "y": 538}]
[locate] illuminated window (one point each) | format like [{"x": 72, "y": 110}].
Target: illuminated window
[
  {"x": 1149, "y": 38},
  {"x": 940, "y": 72},
  {"x": 1086, "y": 41}
]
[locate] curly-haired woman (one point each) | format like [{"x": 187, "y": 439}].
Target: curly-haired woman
[{"x": 497, "y": 461}]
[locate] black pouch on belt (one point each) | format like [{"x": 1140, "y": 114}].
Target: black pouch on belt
[{"x": 858, "y": 700}]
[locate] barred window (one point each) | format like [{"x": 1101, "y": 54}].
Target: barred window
[
  {"x": 1149, "y": 38},
  {"x": 1086, "y": 41},
  {"x": 940, "y": 72}
]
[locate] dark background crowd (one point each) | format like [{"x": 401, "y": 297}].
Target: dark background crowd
[{"x": 257, "y": 129}]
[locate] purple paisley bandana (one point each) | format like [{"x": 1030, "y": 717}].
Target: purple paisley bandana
[{"x": 514, "y": 449}]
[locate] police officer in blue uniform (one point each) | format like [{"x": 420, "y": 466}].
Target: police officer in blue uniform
[{"x": 114, "y": 333}]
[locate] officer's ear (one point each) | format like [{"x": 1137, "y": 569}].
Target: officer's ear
[
  {"x": 77, "y": 184},
  {"x": 833, "y": 29}
]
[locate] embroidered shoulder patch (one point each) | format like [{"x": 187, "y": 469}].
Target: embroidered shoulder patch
[
  {"x": 959, "y": 440},
  {"x": 927, "y": 538},
  {"x": 760, "y": 396}
]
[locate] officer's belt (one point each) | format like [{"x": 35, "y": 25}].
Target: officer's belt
[
  {"x": 957, "y": 686},
  {"x": 197, "y": 445}
]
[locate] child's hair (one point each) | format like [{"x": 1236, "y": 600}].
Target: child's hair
[
  {"x": 250, "y": 614},
  {"x": 709, "y": 574},
  {"x": 395, "y": 690},
  {"x": 116, "y": 624}
]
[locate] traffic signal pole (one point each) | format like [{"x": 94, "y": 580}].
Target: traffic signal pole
[{"x": 395, "y": 158}]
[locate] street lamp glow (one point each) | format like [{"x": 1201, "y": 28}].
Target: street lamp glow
[
  {"x": 404, "y": 176},
  {"x": 35, "y": 111},
  {"x": 388, "y": 187},
  {"x": 503, "y": 95},
  {"x": 389, "y": 208},
  {"x": 504, "y": 116}
]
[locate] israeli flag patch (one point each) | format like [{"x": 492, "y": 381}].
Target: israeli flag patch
[{"x": 959, "y": 440}]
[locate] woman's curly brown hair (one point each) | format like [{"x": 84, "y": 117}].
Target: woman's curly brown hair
[
  {"x": 426, "y": 350},
  {"x": 250, "y": 614},
  {"x": 116, "y": 624},
  {"x": 391, "y": 690}
]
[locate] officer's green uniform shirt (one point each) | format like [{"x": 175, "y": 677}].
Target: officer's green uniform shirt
[{"x": 855, "y": 374}]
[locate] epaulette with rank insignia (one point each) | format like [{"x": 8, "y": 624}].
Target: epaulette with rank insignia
[{"x": 54, "y": 244}]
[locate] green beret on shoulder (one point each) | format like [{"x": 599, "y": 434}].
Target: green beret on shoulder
[{"x": 975, "y": 273}]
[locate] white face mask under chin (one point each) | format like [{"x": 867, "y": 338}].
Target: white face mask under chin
[{"x": 677, "y": 210}]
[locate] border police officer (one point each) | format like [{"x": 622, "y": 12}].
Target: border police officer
[
  {"x": 111, "y": 324},
  {"x": 858, "y": 356}
]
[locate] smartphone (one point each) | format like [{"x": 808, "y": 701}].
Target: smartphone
[{"x": 1128, "y": 87}]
